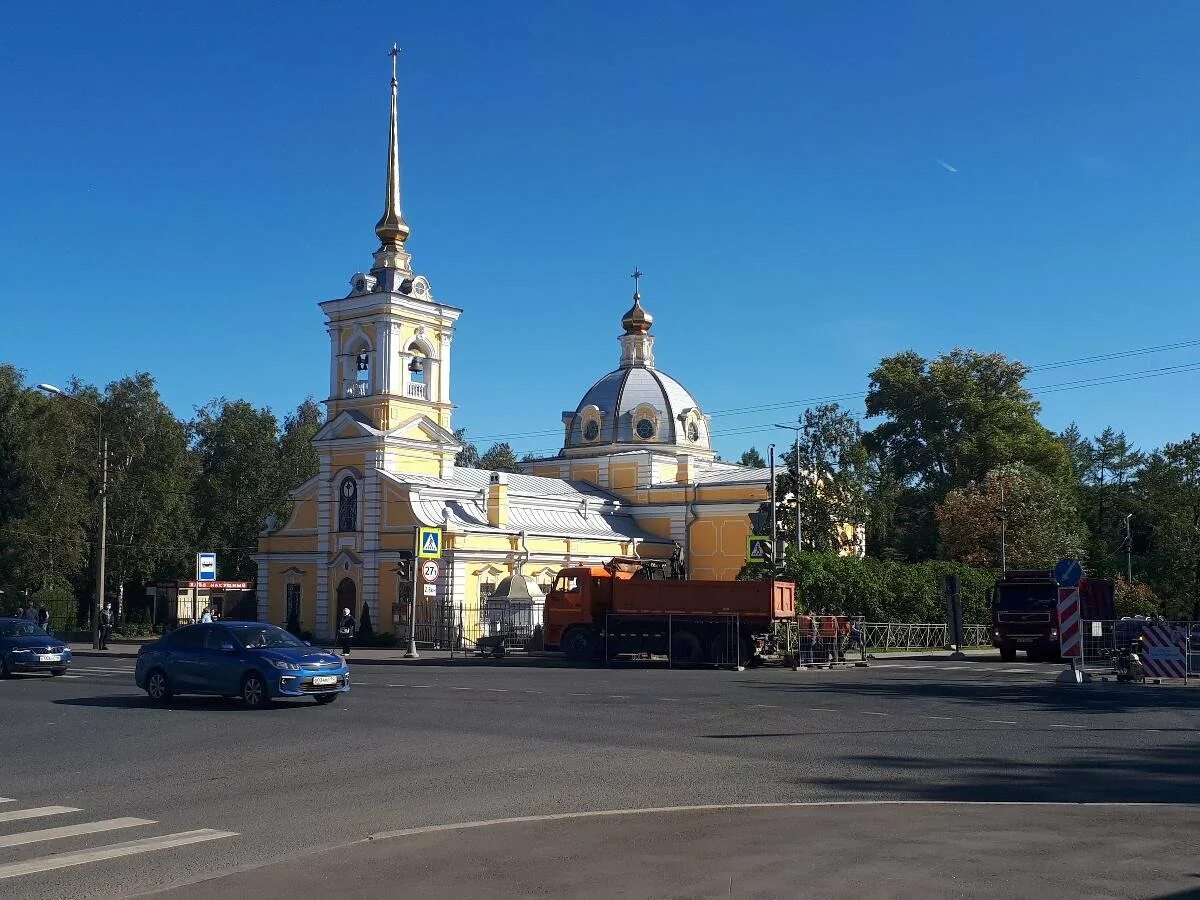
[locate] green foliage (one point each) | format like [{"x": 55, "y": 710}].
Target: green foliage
[
  {"x": 468, "y": 456},
  {"x": 883, "y": 591},
  {"x": 499, "y": 458},
  {"x": 829, "y": 479},
  {"x": 1041, "y": 525},
  {"x": 753, "y": 459},
  {"x": 948, "y": 422},
  {"x": 1134, "y": 599}
]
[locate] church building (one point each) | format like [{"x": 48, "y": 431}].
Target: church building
[{"x": 636, "y": 476}]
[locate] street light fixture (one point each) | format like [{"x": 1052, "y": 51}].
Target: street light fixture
[{"x": 98, "y": 597}]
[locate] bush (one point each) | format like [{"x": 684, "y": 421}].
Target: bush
[{"x": 880, "y": 590}]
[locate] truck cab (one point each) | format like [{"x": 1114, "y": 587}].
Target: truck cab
[
  {"x": 577, "y": 597},
  {"x": 1025, "y": 611}
]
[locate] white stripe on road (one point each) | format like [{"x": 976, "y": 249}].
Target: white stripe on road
[
  {"x": 17, "y": 814},
  {"x": 867, "y": 712},
  {"x": 7, "y": 800},
  {"x": 999, "y": 722},
  {"x": 51, "y": 834},
  {"x": 941, "y": 718},
  {"x": 112, "y": 851}
]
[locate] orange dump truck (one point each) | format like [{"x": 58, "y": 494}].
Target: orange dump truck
[{"x": 595, "y": 610}]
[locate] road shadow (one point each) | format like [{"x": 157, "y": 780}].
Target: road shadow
[
  {"x": 1086, "y": 775},
  {"x": 997, "y": 697},
  {"x": 183, "y": 704}
]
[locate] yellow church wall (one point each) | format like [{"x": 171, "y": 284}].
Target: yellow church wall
[
  {"x": 546, "y": 471},
  {"x": 288, "y": 543},
  {"x": 586, "y": 473},
  {"x": 396, "y": 510},
  {"x": 623, "y": 477},
  {"x": 277, "y": 594},
  {"x": 718, "y": 546},
  {"x": 304, "y": 515},
  {"x": 659, "y": 526}
]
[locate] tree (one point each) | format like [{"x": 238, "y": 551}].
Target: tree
[
  {"x": 948, "y": 422},
  {"x": 828, "y": 480},
  {"x": 499, "y": 458},
  {"x": 298, "y": 460},
  {"x": 468, "y": 456},
  {"x": 1041, "y": 522},
  {"x": 150, "y": 476},
  {"x": 753, "y": 459},
  {"x": 48, "y": 488},
  {"x": 237, "y": 459},
  {"x": 1169, "y": 484}
]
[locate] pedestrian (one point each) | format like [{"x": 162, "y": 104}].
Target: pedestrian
[
  {"x": 206, "y": 616},
  {"x": 44, "y": 618},
  {"x": 106, "y": 625},
  {"x": 31, "y": 614},
  {"x": 346, "y": 631},
  {"x": 20, "y": 612}
]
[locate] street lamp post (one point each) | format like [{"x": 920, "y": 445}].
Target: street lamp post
[
  {"x": 102, "y": 441},
  {"x": 799, "y": 515},
  {"x": 774, "y": 523}
]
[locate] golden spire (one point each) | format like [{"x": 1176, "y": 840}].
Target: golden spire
[
  {"x": 637, "y": 320},
  {"x": 392, "y": 229}
]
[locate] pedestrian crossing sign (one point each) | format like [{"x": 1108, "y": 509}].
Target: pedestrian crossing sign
[
  {"x": 429, "y": 543},
  {"x": 758, "y": 548}
]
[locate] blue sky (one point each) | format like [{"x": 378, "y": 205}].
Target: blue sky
[{"x": 182, "y": 183}]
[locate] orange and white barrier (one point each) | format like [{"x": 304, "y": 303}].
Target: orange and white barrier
[{"x": 1164, "y": 651}]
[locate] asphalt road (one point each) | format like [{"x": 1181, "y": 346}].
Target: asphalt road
[{"x": 209, "y": 799}]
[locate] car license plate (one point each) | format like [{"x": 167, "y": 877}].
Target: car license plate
[
  {"x": 50, "y": 657},
  {"x": 324, "y": 679}
]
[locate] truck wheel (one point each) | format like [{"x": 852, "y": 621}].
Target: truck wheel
[
  {"x": 579, "y": 644},
  {"x": 1008, "y": 654},
  {"x": 686, "y": 649}
]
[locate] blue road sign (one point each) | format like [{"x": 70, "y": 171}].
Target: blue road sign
[
  {"x": 1068, "y": 572},
  {"x": 206, "y": 567}
]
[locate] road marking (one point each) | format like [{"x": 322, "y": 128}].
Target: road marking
[
  {"x": 763, "y": 706},
  {"x": 821, "y": 709},
  {"x": 461, "y": 688},
  {"x": 619, "y": 697},
  {"x": 721, "y": 807},
  {"x": 669, "y": 699},
  {"x": 358, "y": 683},
  {"x": 1000, "y": 722},
  {"x": 497, "y": 690},
  {"x": 112, "y": 851},
  {"x": 36, "y": 812},
  {"x": 942, "y": 718},
  {"x": 1068, "y": 726},
  {"x": 867, "y": 712},
  {"x": 51, "y": 834},
  {"x": 7, "y": 800},
  {"x": 533, "y": 692}
]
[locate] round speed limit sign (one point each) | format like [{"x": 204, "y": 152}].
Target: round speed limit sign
[{"x": 429, "y": 570}]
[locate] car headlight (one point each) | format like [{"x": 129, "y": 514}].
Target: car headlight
[{"x": 284, "y": 664}]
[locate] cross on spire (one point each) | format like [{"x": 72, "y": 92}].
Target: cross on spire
[{"x": 636, "y": 276}]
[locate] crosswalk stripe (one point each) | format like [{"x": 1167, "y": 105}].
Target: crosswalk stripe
[
  {"x": 51, "y": 834},
  {"x": 111, "y": 851},
  {"x": 7, "y": 800},
  {"x": 36, "y": 812}
]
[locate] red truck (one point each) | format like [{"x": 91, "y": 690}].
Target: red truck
[
  {"x": 615, "y": 609},
  {"x": 1025, "y": 611}
]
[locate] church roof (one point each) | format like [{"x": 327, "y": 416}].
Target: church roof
[
  {"x": 535, "y": 504},
  {"x": 620, "y": 394}
]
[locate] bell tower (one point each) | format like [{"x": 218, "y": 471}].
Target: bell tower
[{"x": 389, "y": 341}]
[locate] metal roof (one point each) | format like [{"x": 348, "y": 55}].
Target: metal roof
[{"x": 619, "y": 394}]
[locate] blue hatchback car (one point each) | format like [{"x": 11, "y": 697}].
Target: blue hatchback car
[
  {"x": 24, "y": 647},
  {"x": 251, "y": 660}
]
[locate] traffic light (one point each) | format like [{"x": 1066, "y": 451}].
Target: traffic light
[{"x": 404, "y": 567}]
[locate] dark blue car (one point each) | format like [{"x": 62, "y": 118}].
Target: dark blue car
[
  {"x": 24, "y": 647},
  {"x": 251, "y": 660}
]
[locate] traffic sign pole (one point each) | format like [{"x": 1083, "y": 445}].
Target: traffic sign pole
[{"x": 411, "y": 653}]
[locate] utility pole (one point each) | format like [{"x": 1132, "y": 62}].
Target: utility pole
[
  {"x": 1003, "y": 530},
  {"x": 99, "y": 603},
  {"x": 1128, "y": 550},
  {"x": 774, "y": 523}
]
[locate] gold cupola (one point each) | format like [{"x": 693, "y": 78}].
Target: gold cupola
[{"x": 637, "y": 320}]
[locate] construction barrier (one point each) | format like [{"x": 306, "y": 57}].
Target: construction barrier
[{"x": 1166, "y": 649}]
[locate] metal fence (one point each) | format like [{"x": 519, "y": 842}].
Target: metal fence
[
  {"x": 1104, "y": 639},
  {"x": 921, "y": 636},
  {"x": 445, "y": 625}
]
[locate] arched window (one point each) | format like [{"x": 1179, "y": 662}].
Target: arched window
[
  {"x": 416, "y": 368},
  {"x": 348, "y": 505}
]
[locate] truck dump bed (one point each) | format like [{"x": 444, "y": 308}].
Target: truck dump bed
[{"x": 751, "y": 599}]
